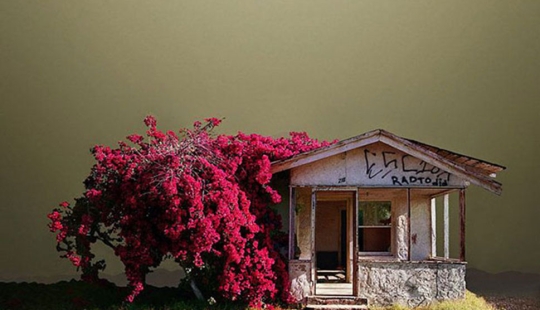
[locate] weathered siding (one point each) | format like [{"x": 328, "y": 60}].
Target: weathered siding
[
  {"x": 420, "y": 225},
  {"x": 420, "y": 228},
  {"x": 400, "y": 225},
  {"x": 374, "y": 165},
  {"x": 303, "y": 222}
]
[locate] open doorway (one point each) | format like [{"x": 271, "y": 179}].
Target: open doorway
[{"x": 334, "y": 243}]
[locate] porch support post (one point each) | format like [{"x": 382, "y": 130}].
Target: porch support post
[
  {"x": 433, "y": 227},
  {"x": 462, "y": 215},
  {"x": 409, "y": 223},
  {"x": 313, "y": 254},
  {"x": 446, "y": 226},
  {"x": 355, "y": 205},
  {"x": 292, "y": 222}
]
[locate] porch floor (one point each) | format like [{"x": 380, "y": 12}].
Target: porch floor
[
  {"x": 330, "y": 276},
  {"x": 334, "y": 289}
]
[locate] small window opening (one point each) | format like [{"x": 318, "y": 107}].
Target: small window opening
[{"x": 374, "y": 226}]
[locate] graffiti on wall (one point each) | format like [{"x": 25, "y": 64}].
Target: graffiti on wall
[{"x": 403, "y": 169}]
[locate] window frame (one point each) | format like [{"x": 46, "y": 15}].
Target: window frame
[{"x": 389, "y": 226}]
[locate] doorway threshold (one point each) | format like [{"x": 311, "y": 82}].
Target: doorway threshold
[{"x": 334, "y": 289}]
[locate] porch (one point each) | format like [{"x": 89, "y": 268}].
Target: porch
[{"x": 384, "y": 282}]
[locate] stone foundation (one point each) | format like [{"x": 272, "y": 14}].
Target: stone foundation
[
  {"x": 300, "y": 277},
  {"x": 410, "y": 283}
]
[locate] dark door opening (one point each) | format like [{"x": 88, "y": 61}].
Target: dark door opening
[
  {"x": 343, "y": 240},
  {"x": 331, "y": 241}
]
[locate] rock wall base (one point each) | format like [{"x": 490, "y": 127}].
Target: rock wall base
[
  {"x": 410, "y": 283},
  {"x": 300, "y": 276}
]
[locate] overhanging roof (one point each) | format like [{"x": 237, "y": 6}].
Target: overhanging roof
[{"x": 476, "y": 171}]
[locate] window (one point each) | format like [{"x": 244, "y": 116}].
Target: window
[{"x": 374, "y": 226}]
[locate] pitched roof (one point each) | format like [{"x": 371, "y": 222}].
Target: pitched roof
[{"x": 476, "y": 171}]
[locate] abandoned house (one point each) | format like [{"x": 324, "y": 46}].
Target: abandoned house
[{"x": 362, "y": 217}]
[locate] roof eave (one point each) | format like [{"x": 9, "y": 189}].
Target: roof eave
[
  {"x": 333, "y": 149},
  {"x": 436, "y": 160},
  {"x": 412, "y": 147}
]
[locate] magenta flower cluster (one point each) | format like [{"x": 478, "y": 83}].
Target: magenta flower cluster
[{"x": 199, "y": 198}]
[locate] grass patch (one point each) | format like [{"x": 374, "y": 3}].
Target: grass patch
[{"x": 470, "y": 302}]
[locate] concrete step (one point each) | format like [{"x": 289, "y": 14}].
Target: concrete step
[
  {"x": 336, "y": 302},
  {"x": 337, "y": 307}
]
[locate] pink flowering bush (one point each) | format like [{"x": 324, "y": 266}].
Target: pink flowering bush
[{"x": 199, "y": 198}]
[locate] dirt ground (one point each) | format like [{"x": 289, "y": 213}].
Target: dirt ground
[
  {"x": 506, "y": 291},
  {"x": 514, "y": 302}
]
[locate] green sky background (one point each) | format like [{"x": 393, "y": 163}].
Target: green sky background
[{"x": 462, "y": 75}]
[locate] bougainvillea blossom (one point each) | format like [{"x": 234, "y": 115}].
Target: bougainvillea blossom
[{"x": 193, "y": 196}]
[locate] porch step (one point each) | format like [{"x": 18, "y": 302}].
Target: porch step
[
  {"x": 336, "y": 302},
  {"x": 337, "y": 307}
]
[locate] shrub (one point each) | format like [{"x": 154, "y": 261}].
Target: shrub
[{"x": 199, "y": 198}]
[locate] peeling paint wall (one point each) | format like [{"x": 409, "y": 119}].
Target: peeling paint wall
[
  {"x": 303, "y": 222},
  {"x": 400, "y": 225},
  {"x": 374, "y": 165},
  {"x": 420, "y": 227}
]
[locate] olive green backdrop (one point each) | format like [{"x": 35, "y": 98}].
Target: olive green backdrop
[{"x": 462, "y": 75}]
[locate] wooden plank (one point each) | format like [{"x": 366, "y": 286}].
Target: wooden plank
[
  {"x": 462, "y": 219},
  {"x": 493, "y": 166},
  {"x": 442, "y": 259},
  {"x": 355, "y": 204},
  {"x": 446, "y": 226},
  {"x": 409, "y": 233},
  {"x": 443, "y": 192},
  {"x": 433, "y": 213},
  {"x": 313, "y": 253},
  {"x": 334, "y": 188}
]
